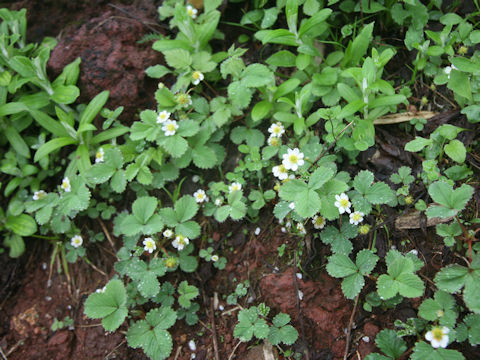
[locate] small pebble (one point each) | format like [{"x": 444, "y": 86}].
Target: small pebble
[
  {"x": 299, "y": 276},
  {"x": 300, "y": 295},
  {"x": 48, "y": 298},
  {"x": 44, "y": 266},
  {"x": 192, "y": 346},
  {"x": 221, "y": 307},
  {"x": 366, "y": 339},
  {"x": 257, "y": 231}
]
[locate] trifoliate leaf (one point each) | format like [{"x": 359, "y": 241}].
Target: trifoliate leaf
[
  {"x": 190, "y": 229},
  {"x": 452, "y": 200},
  {"x": 239, "y": 94},
  {"x": 109, "y": 305},
  {"x": 451, "y": 278},
  {"x": 146, "y": 275},
  {"x": 119, "y": 181},
  {"x": 187, "y": 293},
  {"x": 151, "y": 335},
  {"x": 307, "y": 203},
  {"x": 340, "y": 265}
]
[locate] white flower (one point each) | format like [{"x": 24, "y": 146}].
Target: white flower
[
  {"x": 293, "y": 159},
  {"x": 191, "y": 11},
  {"x": 276, "y": 130},
  {"x": 235, "y": 187},
  {"x": 184, "y": 99},
  {"x": 163, "y": 116},
  {"x": 318, "y": 222},
  {"x": 168, "y": 233},
  {"x": 356, "y": 217},
  {"x": 200, "y": 196},
  {"x": 149, "y": 245},
  {"x": 180, "y": 242},
  {"x": 170, "y": 126},
  {"x": 214, "y": 258},
  {"x": 292, "y": 205},
  {"x": 301, "y": 228},
  {"x": 76, "y": 241},
  {"x": 447, "y": 70},
  {"x": 38, "y": 195},
  {"x": 102, "y": 290},
  {"x": 343, "y": 203},
  {"x": 257, "y": 231},
  {"x": 66, "y": 185},
  {"x": 280, "y": 172},
  {"x": 273, "y": 140},
  {"x": 197, "y": 76},
  {"x": 99, "y": 156},
  {"x": 438, "y": 336},
  {"x": 218, "y": 201}
]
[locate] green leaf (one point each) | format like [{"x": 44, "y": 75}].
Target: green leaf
[
  {"x": 157, "y": 71},
  {"x": 314, "y": 21},
  {"x": 178, "y": 58},
  {"x": 53, "y": 145},
  {"x": 418, "y": 144},
  {"x": 151, "y": 335},
  {"x": 143, "y": 208},
  {"x": 204, "y": 157},
  {"x": 257, "y": 75},
  {"x": 261, "y": 110},
  {"x": 358, "y": 48},
  {"x": 185, "y": 208},
  {"x": 340, "y": 265},
  {"x": 16, "y": 245},
  {"x": 17, "y": 142},
  {"x": 459, "y": 83},
  {"x": 282, "y": 58},
  {"x": 443, "y": 194},
  {"x": 319, "y": 177},
  {"x": 65, "y": 94},
  {"x": 109, "y": 305},
  {"x": 366, "y": 261},
  {"x": 187, "y": 293},
  {"x": 307, "y": 203},
  {"x": 390, "y": 343},
  {"x": 424, "y": 351},
  {"x": 23, "y": 224},
  {"x": 94, "y": 107},
  {"x": 451, "y": 278},
  {"x": 456, "y": 151},
  {"x": 175, "y": 145}
]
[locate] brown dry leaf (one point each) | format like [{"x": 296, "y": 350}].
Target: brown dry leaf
[
  {"x": 412, "y": 220},
  {"x": 403, "y": 117}
]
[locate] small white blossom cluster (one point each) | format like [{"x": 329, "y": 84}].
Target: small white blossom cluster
[
  {"x": 343, "y": 204},
  {"x": 39, "y": 195},
  {"x": 191, "y": 11},
  {"x": 291, "y": 161},
  {"x": 180, "y": 242},
  {"x": 149, "y": 245},
  {"x": 169, "y": 127},
  {"x": 66, "y": 184},
  {"x": 276, "y": 131}
]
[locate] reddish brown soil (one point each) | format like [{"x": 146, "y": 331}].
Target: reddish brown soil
[{"x": 106, "y": 40}]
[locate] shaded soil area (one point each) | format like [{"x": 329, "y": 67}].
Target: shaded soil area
[{"x": 33, "y": 292}]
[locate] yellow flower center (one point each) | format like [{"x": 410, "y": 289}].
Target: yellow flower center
[
  {"x": 319, "y": 221},
  {"x": 171, "y": 127},
  {"x": 99, "y": 155},
  {"x": 293, "y": 158},
  {"x": 437, "y": 333},
  {"x": 344, "y": 203},
  {"x": 356, "y": 217},
  {"x": 200, "y": 196},
  {"x": 440, "y": 313},
  {"x": 65, "y": 184},
  {"x": 170, "y": 262},
  {"x": 277, "y": 129},
  {"x": 196, "y": 75},
  {"x": 149, "y": 244},
  {"x": 274, "y": 141}
]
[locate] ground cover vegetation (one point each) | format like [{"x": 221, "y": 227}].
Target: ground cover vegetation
[{"x": 276, "y": 135}]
